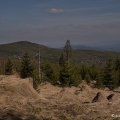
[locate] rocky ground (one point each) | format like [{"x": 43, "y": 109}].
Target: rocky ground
[{"x": 19, "y": 101}]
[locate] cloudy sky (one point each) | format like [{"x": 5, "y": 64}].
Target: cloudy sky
[{"x": 55, "y": 21}]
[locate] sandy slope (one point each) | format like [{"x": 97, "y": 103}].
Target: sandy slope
[{"x": 19, "y": 101}]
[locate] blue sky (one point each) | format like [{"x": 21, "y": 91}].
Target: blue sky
[{"x": 55, "y": 21}]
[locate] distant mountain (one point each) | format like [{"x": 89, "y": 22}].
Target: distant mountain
[
  {"x": 75, "y": 47},
  {"x": 17, "y": 49},
  {"x": 82, "y": 47},
  {"x": 112, "y": 47},
  {"x": 105, "y": 46},
  {"x": 81, "y": 54}
]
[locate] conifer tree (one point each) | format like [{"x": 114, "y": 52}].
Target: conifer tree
[
  {"x": 119, "y": 77},
  {"x": 76, "y": 78},
  {"x": 68, "y": 74},
  {"x": 36, "y": 79},
  {"x": 93, "y": 71},
  {"x": 62, "y": 60},
  {"x": 84, "y": 71},
  {"x": 87, "y": 78},
  {"x": 26, "y": 67},
  {"x": 109, "y": 75},
  {"x": 117, "y": 69},
  {"x": 0, "y": 69},
  {"x": 117, "y": 64},
  {"x": 51, "y": 72},
  {"x": 65, "y": 76},
  {"x": 99, "y": 80},
  {"x": 68, "y": 51},
  {"x": 9, "y": 67}
]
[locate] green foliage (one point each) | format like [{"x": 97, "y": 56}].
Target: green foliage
[
  {"x": 88, "y": 57},
  {"x": 110, "y": 75},
  {"x": 26, "y": 67},
  {"x": 36, "y": 79},
  {"x": 65, "y": 72},
  {"x": 65, "y": 76},
  {"x": 99, "y": 80},
  {"x": 93, "y": 71},
  {"x": 51, "y": 72},
  {"x": 62, "y": 60},
  {"x": 76, "y": 78},
  {"x": 69, "y": 76},
  {"x": 87, "y": 78},
  {"x": 84, "y": 71},
  {"x": 17, "y": 66},
  {"x": 9, "y": 67},
  {"x": 119, "y": 78},
  {"x": 1, "y": 69},
  {"x": 117, "y": 64},
  {"x": 68, "y": 51}
]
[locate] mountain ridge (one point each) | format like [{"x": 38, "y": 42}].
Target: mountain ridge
[
  {"x": 107, "y": 46},
  {"x": 17, "y": 49}
]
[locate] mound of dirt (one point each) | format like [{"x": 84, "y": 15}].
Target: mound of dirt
[
  {"x": 99, "y": 98},
  {"x": 113, "y": 97},
  {"x": 84, "y": 87},
  {"x": 67, "y": 96},
  {"x": 16, "y": 95},
  {"x": 20, "y": 87}
]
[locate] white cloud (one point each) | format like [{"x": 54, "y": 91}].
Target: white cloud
[{"x": 53, "y": 10}]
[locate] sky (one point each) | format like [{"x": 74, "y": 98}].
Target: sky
[{"x": 55, "y": 21}]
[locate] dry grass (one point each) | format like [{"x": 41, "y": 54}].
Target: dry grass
[{"x": 19, "y": 101}]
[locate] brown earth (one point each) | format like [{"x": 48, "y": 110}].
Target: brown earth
[{"x": 19, "y": 101}]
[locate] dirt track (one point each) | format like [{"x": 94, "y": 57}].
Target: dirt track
[{"x": 19, "y": 101}]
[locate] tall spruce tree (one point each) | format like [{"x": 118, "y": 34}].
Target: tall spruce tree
[
  {"x": 109, "y": 75},
  {"x": 36, "y": 79},
  {"x": 62, "y": 60},
  {"x": 65, "y": 76},
  {"x": 75, "y": 76},
  {"x": 99, "y": 80},
  {"x": 117, "y": 64},
  {"x": 9, "y": 67},
  {"x": 0, "y": 69},
  {"x": 119, "y": 77},
  {"x": 65, "y": 73},
  {"x": 93, "y": 71},
  {"x": 117, "y": 69},
  {"x": 51, "y": 72},
  {"x": 68, "y": 51},
  {"x": 84, "y": 71},
  {"x": 26, "y": 67},
  {"x": 69, "y": 76}
]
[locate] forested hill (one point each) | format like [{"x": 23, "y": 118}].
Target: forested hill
[{"x": 17, "y": 49}]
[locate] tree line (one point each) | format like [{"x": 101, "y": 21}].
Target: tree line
[{"x": 64, "y": 74}]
